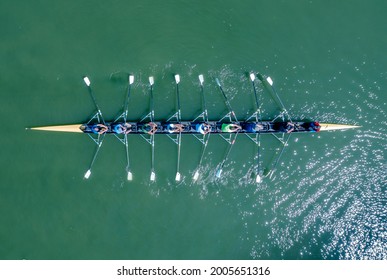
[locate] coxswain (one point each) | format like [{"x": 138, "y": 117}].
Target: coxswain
[
  {"x": 314, "y": 127},
  {"x": 150, "y": 128},
  {"x": 175, "y": 127},
  {"x": 99, "y": 128},
  {"x": 230, "y": 127},
  {"x": 203, "y": 128}
]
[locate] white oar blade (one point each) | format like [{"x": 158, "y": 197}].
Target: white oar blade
[
  {"x": 201, "y": 79},
  {"x": 177, "y": 78},
  {"x": 130, "y": 176},
  {"x": 196, "y": 175},
  {"x": 252, "y": 77},
  {"x": 87, "y": 174},
  {"x": 258, "y": 179},
  {"x": 87, "y": 81},
  {"x": 153, "y": 176},
  {"x": 151, "y": 81},
  {"x": 178, "y": 177},
  {"x": 217, "y": 81},
  {"x": 131, "y": 79},
  {"x": 218, "y": 173},
  {"x": 269, "y": 80}
]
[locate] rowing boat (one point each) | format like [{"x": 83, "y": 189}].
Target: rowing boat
[
  {"x": 228, "y": 127},
  {"x": 189, "y": 127}
]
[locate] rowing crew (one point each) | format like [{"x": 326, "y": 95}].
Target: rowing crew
[
  {"x": 121, "y": 128},
  {"x": 205, "y": 128},
  {"x": 151, "y": 128}
]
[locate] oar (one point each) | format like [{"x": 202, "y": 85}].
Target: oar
[
  {"x": 252, "y": 78},
  {"x": 88, "y": 172},
  {"x": 196, "y": 174},
  {"x": 152, "y": 137},
  {"x": 258, "y": 179},
  {"x": 125, "y": 115},
  {"x": 177, "y": 115},
  {"x": 177, "y": 80},
  {"x": 205, "y": 113},
  {"x": 231, "y": 111},
  {"x": 270, "y": 174},
  {"x": 131, "y": 80},
  {"x": 178, "y": 175},
  {"x": 130, "y": 175},
  {"x": 270, "y": 82},
  {"x": 152, "y": 113},
  {"x": 153, "y": 174},
  {"x": 178, "y": 118},
  {"x": 88, "y": 84},
  {"x": 220, "y": 169}
]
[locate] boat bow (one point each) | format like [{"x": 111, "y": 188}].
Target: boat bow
[{"x": 61, "y": 128}]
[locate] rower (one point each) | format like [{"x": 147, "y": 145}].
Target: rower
[
  {"x": 289, "y": 127},
  {"x": 252, "y": 127},
  {"x": 230, "y": 127},
  {"x": 175, "y": 127},
  {"x": 150, "y": 128},
  {"x": 124, "y": 128},
  {"x": 203, "y": 128},
  {"x": 99, "y": 128}
]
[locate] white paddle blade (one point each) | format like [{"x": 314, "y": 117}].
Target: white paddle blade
[
  {"x": 196, "y": 175},
  {"x": 178, "y": 177},
  {"x": 130, "y": 176},
  {"x": 87, "y": 81},
  {"x": 151, "y": 81},
  {"x": 252, "y": 77},
  {"x": 87, "y": 174},
  {"x": 218, "y": 173},
  {"x": 201, "y": 79},
  {"x": 258, "y": 179},
  {"x": 269, "y": 80},
  {"x": 217, "y": 81},
  {"x": 131, "y": 79},
  {"x": 153, "y": 176},
  {"x": 177, "y": 78}
]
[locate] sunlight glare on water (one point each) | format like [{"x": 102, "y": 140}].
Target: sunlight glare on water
[{"x": 327, "y": 196}]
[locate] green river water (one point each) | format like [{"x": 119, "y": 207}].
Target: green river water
[{"x": 327, "y": 198}]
